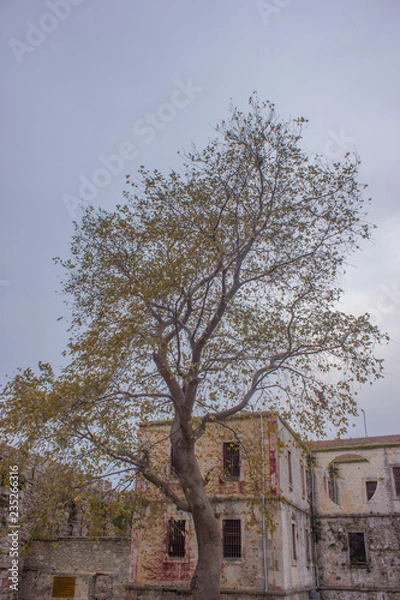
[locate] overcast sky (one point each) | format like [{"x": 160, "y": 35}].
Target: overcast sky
[{"x": 92, "y": 89}]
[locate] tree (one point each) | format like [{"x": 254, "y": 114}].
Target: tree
[{"x": 209, "y": 292}]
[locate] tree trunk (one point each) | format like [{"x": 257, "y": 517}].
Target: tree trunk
[
  {"x": 207, "y": 576},
  {"x": 205, "y": 584}
]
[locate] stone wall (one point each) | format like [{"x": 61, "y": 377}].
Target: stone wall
[
  {"x": 100, "y": 567},
  {"x": 345, "y": 594},
  {"x": 267, "y": 553},
  {"x": 380, "y": 574},
  {"x": 345, "y": 508},
  {"x": 142, "y": 593}
]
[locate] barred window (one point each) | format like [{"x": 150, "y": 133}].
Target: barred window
[
  {"x": 396, "y": 479},
  {"x": 357, "y": 549},
  {"x": 176, "y": 538},
  {"x": 232, "y": 538},
  {"x": 232, "y": 459}
]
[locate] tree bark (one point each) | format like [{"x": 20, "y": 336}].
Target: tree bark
[
  {"x": 205, "y": 584},
  {"x": 207, "y": 576}
]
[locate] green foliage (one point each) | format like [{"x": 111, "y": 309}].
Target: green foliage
[
  {"x": 121, "y": 516},
  {"x": 209, "y": 291}
]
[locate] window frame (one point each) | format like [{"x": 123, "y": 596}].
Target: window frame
[
  {"x": 294, "y": 545},
  {"x": 333, "y": 477},
  {"x": 303, "y": 481},
  {"x": 228, "y": 465},
  {"x": 290, "y": 470},
  {"x": 174, "y": 526},
  {"x": 367, "y": 492},
  {"x": 353, "y": 563},
  {"x": 235, "y": 548},
  {"x": 396, "y": 481},
  {"x": 309, "y": 559}
]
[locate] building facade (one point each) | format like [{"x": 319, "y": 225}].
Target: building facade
[
  {"x": 357, "y": 507},
  {"x": 298, "y": 522},
  {"x": 258, "y": 482}
]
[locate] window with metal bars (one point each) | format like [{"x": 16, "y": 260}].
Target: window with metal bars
[
  {"x": 176, "y": 538},
  {"x": 232, "y": 538},
  {"x": 232, "y": 459}
]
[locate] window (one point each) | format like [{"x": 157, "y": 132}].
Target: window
[
  {"x": 294, "y": 542},
  {"x": 290, "y": 471},
  {"x": 303, "y": 480},
  {"x": 308, "y": 546},
  {"x": 396, "y": 479},
  {"x": 232, "y": 539},
  {"x": 176, "y": 538},
  {"x": 232, "y": 459},
  {"x": 357, "y": 549},
  {"x": 333, "y": 483},
  {"x": 370, "y": 488},
  {"x": 63, "y": 587}
]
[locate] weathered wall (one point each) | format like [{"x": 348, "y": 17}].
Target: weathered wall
[
  {"x": 352, "y": 595},
  {"x": 353, "y": 467},
  {"x": 264, "y": 467},
  {"x": 210, "y": 455},
  {"x": 100, "y": 566},
  {"x": 239, "y": 594},
  {"x": 154, "y": 566},
  {"x": 291, "y": 572},
  {"x": 232, "y": 499},
  {"x": 382, "y": 571},
  {"x": 349, "y": 510}
]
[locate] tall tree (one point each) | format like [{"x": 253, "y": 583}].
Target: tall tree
[{"x": 210, "y": 291}]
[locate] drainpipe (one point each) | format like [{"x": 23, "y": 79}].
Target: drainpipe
[{"x": 263, "y": 524}]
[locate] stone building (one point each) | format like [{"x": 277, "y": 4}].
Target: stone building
[
  {"x": 76, "y": 567},
  {"x": 357, "y": 505},
  {"x": 257, "y": 480},
  {"x": 298, "y": 522}
]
